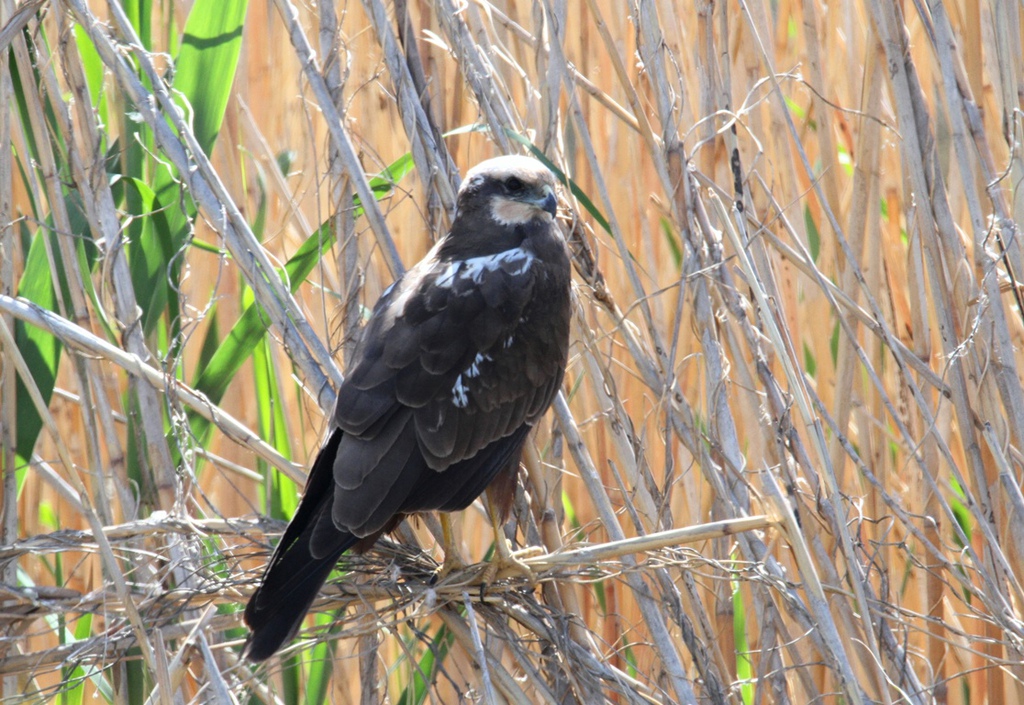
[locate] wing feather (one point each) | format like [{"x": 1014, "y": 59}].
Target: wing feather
[
  {"x": 402, "y": 346},
  {"x": 462, "y": 482},
  {"x": 443, "y": 390},
  {"x": 445, "y": 357},
  {"x": 373, "y": 478},
  {"x": 437, "y": 439},
  {"x": 360, "y": 412}
]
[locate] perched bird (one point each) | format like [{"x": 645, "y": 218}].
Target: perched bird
[{"x": 460, "y": 358}]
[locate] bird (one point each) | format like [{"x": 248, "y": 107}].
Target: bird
[{"x": 460, "y": 358}]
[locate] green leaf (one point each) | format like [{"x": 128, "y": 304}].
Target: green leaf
[
  {"x": 211, "y": 337},
  {"x": 38, "y": 45},
  {"x": 136, "y": 463},
  {"x": 744, "y": 667},
  {"x": 48, "y": 517},
  {"x": 291, "y": 677},
  {"x": 40, "y": 349},
  {"x": 602, "y": 597},
  {"x": 320, "y": 663},
  {"x": 205, "y": 66},
  {"x": 833, "y": 344},
  {"x": 285, "y": 159},
  {"x": 813, "y": 236},
  {"x": 94, "y": 70},
  {"x": 140, "y": 14},
  {"x": 138, "y": 682},
  {"x": 272, "y": 427},
  {"x": 149, "y": 245},
  {"x": 630, "y": 656},
  {"x": 795, "y": 108},
  {"x": 259, "y": 225},
  {"x": 571, "y": 519},
  {"x": 78, "y": 674},
  {"x": 960, "y": 512},
  {"x": 810, "y": 364},
  {"x": 673, "y": 242},
  {"x": 845, "y": 160},
  {"x": 425, "y": 671},
  {"x": 204, "y": 72}
]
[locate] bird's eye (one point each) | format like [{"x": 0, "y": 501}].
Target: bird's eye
[{"x": 514, "y": 185}]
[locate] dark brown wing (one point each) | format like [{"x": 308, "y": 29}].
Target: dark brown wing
[{"x": 454, "y": 366}]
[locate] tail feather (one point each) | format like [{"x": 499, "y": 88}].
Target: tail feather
[
  {"x": 294, "y": 576},
  {"x": 276, "y": 609}
]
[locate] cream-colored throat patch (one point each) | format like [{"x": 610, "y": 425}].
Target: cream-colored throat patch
[{"x": 509, "y": 212}]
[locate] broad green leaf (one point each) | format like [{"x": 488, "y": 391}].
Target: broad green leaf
[
  {"x": 150, "y": 246},
  {"x": 140, "y": 14},
  {"x": 960, "y": 511},
  {"x": 139, "y": 684},
  {"x": 79, "y": 674},
  {"x": 203, "y": 74},
  {"x": 250, "y": 328},
  {"x": 291, "y": 676},
  {"x": 48, "y": 517},
  {"x": 205, "y": 66},
  {"x": 40, "y": 349},
  {"x": 571, "y": 519},
  {"x": 94, "y": 71}
]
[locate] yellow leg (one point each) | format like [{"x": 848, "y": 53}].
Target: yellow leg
[
  {"x": 504, "y": 563},
  {"x": 452, "y": 559}
]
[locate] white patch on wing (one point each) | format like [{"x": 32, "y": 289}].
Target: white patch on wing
[
  {"x": 474, "y": 268},
  {"x": 398, "y": 305},
  {"x": 460, "y": 395},
  {"x": 474, "y": 368},
  {"x": 508, "y": 342},
  {"x": 406, "y": 288}
]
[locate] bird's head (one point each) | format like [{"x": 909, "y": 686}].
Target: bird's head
[{"x": 511, "y": 190}]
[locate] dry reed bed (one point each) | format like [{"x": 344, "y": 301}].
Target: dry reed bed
[{"x": 796, "y": 332}]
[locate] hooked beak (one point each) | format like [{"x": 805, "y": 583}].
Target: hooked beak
[{"x": 546, "y": 201}]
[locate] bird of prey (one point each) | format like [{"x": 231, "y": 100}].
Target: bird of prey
[{"x": 459, "y": 359}]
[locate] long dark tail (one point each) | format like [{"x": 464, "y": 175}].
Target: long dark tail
[{"x": 294, "y": 575}]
